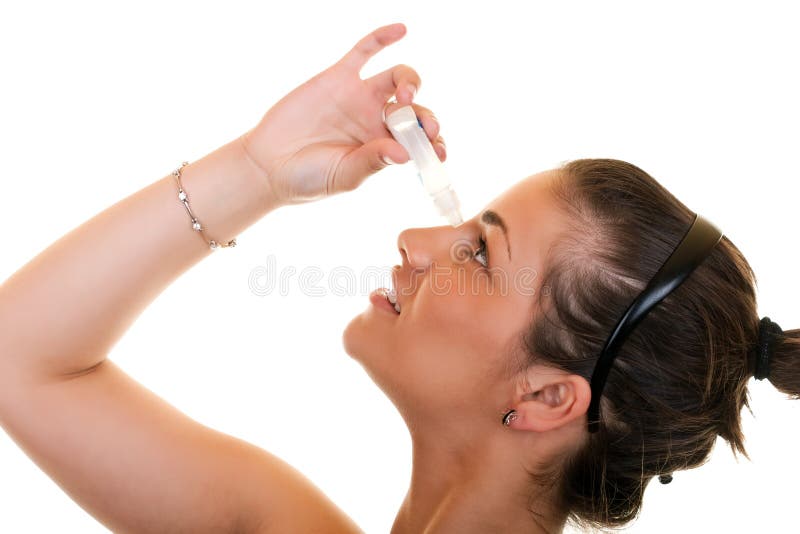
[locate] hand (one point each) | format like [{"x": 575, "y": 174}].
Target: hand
[{"x": 327, "y": 135}]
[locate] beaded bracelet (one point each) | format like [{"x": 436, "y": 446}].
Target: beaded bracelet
[{"x": 195, "y": 223}]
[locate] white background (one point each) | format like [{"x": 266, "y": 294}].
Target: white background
[{"x": 99, "y": 99}]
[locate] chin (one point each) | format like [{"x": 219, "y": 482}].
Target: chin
[
  {"x": 364, "y": 338},
  {"x": 352, "y": 337},
  {"x": 363, "y": 341},
  {"x": 361, "y": 338}
]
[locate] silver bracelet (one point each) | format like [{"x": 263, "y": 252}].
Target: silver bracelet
[{"x": 195, "y": 223}]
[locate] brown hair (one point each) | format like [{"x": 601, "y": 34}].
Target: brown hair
[{"x": 680, "y": 379}]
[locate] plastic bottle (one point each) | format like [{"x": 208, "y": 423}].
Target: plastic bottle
[{"x": 407, "y": 130}]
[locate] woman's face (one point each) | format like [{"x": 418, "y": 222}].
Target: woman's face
[{"x": 446, "y": 355}]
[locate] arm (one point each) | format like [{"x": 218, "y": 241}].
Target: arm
[
  {"x": 130, "y": 459},
  {"x": 87, "y": 288},
  {"x": 122, "y": 453}
]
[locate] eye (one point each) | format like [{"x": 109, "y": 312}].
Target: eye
[{"x": 482, "y": 252}]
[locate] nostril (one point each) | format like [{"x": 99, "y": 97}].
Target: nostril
[{"x": 416, "y": 248}]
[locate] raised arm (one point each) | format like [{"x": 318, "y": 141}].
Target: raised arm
[
  {"x": 61, "y": 313},
  {"x": 122, "y": 453},
  {"x": 131, "y": 460}
]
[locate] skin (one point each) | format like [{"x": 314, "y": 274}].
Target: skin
[
  {"x": 444, "y": 363},
  {"x": 139, "y": 465}
]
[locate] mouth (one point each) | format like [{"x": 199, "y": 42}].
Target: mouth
[
  {"x": 387, "y": 297},
  {"x": 391, "y": 297},
  {"x": 382, "y": 298}
]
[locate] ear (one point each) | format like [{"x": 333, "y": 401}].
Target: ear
[{"x": 547, "y": 400}]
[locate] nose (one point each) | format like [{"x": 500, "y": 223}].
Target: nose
[{"x": 420, "y": 247}]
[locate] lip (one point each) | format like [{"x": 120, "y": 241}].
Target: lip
[{"x": 379, "y": 301}]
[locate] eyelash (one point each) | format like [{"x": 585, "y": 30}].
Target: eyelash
[{"x": 482, "y": 250}]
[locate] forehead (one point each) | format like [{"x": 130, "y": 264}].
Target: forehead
[{"x": 532, "y": 218}]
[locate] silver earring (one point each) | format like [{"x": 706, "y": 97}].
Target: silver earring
[{"x": 509, "y": 417}]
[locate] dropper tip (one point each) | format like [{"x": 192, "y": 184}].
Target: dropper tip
[{"x": 454, "y": 218}]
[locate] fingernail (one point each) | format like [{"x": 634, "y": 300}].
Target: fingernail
[
  {"x": 388, "y": 160},
  {"x": 413, "y": 89},
  {"x": 444, "y": 149}
]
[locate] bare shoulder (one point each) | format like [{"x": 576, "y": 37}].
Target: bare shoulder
[
  {"x": 138, "y": 464},
  {"x": 285, "y": 500}
]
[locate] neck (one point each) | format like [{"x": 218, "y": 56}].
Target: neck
[{"x": 466, "y": 489}]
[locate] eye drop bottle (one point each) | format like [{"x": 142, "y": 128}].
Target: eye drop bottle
[{"x": 407, "y": 130}]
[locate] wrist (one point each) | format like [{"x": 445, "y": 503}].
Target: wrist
[{"x": 260, "y": 172}]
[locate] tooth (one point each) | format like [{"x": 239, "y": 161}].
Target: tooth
[
  {"x": 392, "y": 296},
  {"x": 397, "y": 308}
]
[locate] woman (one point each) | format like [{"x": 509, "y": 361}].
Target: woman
[{"x": 492, "y": 371}]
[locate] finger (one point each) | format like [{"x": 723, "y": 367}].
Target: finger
[
  {"x": 371, "y": 44},
  {"x": 366, "y": 160},
  {"x": 440, "y": 148},
  {"x": 401, "y": 81},
  {"x": 429, "y": 122}
]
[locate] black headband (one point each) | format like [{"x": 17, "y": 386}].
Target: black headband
[{"x": 701, "y": 237}]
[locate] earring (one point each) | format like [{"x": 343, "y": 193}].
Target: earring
[{"x": 509, "y": 416}]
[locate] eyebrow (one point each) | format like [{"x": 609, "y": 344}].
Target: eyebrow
[{"x": 492, "y": 218}]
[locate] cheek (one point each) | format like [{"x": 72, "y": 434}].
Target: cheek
[
  {"x": 467, "y": 312},
  {"x": 445, "y": 352},
  {"x": 448, "y": 314},
  {"x": 454, "y": 334}
]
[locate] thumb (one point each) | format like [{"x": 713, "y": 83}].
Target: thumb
[{"x": 365, "y": 161}]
